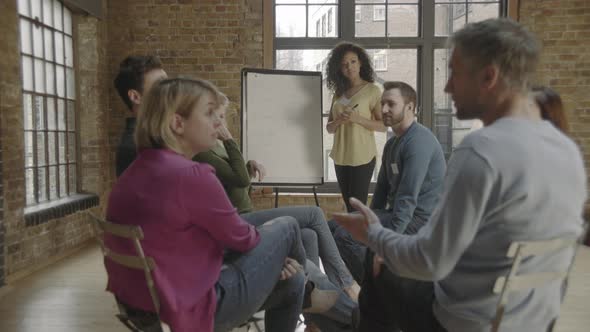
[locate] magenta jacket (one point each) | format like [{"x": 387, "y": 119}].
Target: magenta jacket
[{"x": 187, "y": 221}]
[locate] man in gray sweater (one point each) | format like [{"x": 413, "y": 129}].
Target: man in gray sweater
[
  {"x": 501, "y": 186},
  {"x": 410, "y": 178}
]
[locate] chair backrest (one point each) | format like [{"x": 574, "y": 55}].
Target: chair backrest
[
  {"x": 514, "y": 282},
  {"x": 139, "y": 261}
]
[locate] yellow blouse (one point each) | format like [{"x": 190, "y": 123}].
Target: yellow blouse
[{"x": 354, "y": 145}]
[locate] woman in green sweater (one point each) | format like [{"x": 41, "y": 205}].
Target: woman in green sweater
[{"x": 235, "y": 175}]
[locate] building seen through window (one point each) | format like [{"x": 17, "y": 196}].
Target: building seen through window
[{"x": 404, "y": 41}]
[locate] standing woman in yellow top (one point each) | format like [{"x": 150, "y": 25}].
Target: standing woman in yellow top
[{"x": 355, "y": 115}]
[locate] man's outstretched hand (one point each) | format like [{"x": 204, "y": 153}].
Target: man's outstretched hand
[{"x": 357, "y": 224}]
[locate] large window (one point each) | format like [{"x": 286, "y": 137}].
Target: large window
[
  {"x": 49, "y": 95},
  {"x": 405, "y": 39}
]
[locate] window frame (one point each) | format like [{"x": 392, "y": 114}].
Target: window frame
[
  {"x": 348, "y": 11},
  {"x": 69, "y": 99}
]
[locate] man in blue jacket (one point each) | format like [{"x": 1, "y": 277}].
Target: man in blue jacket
[{"x": 410, "y": 179}]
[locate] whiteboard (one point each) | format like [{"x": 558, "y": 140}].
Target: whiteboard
[{"x": 282, "y": 125}]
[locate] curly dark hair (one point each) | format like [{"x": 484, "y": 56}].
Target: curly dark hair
[{"x": 337, "y": 82}]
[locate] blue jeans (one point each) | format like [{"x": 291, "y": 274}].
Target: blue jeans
[
  {"x": 339, "y": 317},
  {"x": 250, "y": 282},
  {"x": 353, "y": 252},
  {"x": 311, "y": 218}
]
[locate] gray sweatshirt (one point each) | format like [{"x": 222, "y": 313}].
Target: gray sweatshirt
[
  {"x": 411, "y": 178},
  {"x": 513, "y": 180}
]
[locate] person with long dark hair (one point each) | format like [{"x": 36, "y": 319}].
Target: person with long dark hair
[
  {"x": 551, "y": 107},
  {"x": 354, "y": 117}
]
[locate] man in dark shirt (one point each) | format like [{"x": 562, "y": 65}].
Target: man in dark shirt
[
  {"x": 136, "y": 76},
  {"x": 410, "y": 179}
]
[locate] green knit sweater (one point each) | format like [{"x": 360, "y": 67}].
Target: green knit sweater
[{"x": 232, "y": 172}]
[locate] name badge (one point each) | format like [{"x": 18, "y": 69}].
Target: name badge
[{"x": 394, "y": 168}]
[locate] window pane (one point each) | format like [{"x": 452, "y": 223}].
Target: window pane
[
  {"x": 402, "y": 65},
  {"x": 30, "y": 189},
  {"x": 37, "y": 41},
  {"x": 61, "y": 147},
  {"x": 41, "y": 155},
  {"x": 39, "y": 76},
  {"x": 51, "y": 148},
  {"x": 61, "y": 115},
  {"x": 57, "y": 16},
  {"x": 72, "y": 178},
  {"x": 322, "y": 21},
  {"x": 52, "y": 182},
  {"x": 36, "y": 9},
  {"x": 329, "y": 171},
  {"x": 50, "y": 78},
  {"x": 51, "y": 114},
  {"x": 323, "y": 1},
  {"x": 69, "y": 53},
  {"x": 29, "y": 153},
  {"x": 370, "y": 1},
  {"x": 480, "y": 12},
  {"x": 67, "y": 21},
  {"x": 25, "y": 36},
  {"x": 447, "y": 128},
  {"x": 289, "y": 1},
  {"x": 290, "y": 21},
  {"x": 48, "y": 37},
  {"x": 372, "y": 21},
  {"x": 39, "y": 113},
  {"x": 23, "y": 7},
  {"x": 448, "y": 18},
  {"x": 71, "y": 115},
  {"x": 27, "y": 73},
  {"x": 48, "y": 12},
  {"x": 59, "y": 47},
  {"x": 402, "y": 1},
  {"x": 60, "y": 81},
  {"x": 402, "y": 21},
  {"x": 42, "y": 183},
  {"x": 72, "y": 147},
  {"x": 28, "y": 111},
  {"x": 63, "y": 181},
  {"x": 71, "y": 83}
]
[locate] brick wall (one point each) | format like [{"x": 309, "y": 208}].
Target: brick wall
[
  {"x": 209, "y": 39},
  {"x": 9, "y": 116},
  {"x": 564, "y": 28},
  {"x": 26, "y": 248}
]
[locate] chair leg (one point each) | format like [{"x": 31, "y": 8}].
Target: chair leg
[
  {"x": 257, "y": 327},
  {"x": 125, "y": 320}
]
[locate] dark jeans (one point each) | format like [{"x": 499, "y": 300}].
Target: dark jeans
[
  {"x": 391, "y": 303},
  {"x": 352, "y": 252},
  {"x": 250, "y": 282},
  {"x": 354, "y": 182}
]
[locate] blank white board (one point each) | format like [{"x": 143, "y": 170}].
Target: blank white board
[{"x": 282, "y": 125}]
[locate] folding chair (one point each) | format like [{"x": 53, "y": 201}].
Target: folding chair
[
  {"x": 136, "y": 320},
  {"x": 513, "y": 282}
]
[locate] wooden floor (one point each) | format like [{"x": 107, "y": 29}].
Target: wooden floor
[{"x": 69, "y": 296}]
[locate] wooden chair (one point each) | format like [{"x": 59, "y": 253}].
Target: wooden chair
[
  {"x": 514, "y": 282},
  {"x": 135, "y": 319}
]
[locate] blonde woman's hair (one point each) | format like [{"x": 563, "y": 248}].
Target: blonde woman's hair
[{"x": 166, "y": 98}]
